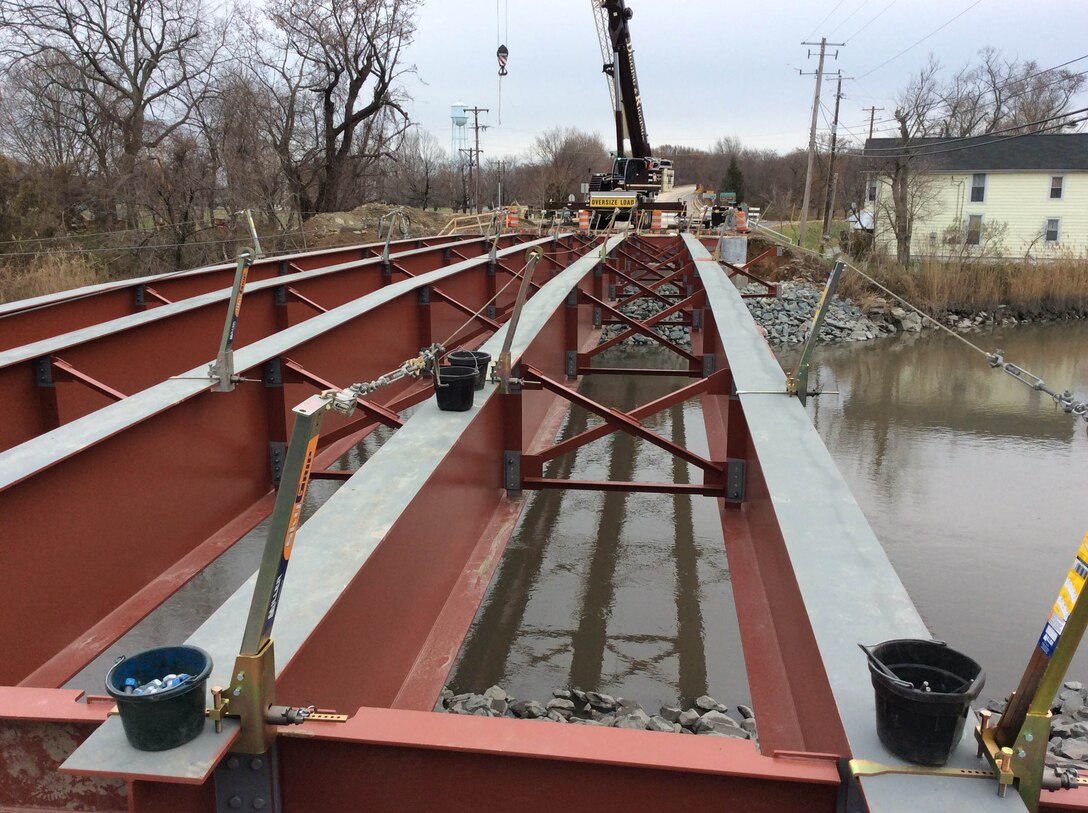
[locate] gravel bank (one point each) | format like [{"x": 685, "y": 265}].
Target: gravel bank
[{"x": 706, "y": 717}]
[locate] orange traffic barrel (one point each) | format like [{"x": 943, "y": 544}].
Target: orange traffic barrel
[
  {"x": 655, "y": 219},
  {"x": 512, "y": 219},
  {"x": 741, "y": 220},
  {"x": 583, "y": 220}
]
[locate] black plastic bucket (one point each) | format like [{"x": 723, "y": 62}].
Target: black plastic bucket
[
  {"x": 924, "y": 691},
  {"x": 171, "y": 717},
  {"x": 454, "y": 388},
  {"x": 475, "y": 359}
]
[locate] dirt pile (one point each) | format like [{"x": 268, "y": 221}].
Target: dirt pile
[
  {"x": 360, "y": 225},
  {"x": 792, "y": 265}
]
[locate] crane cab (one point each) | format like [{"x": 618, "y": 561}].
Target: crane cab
[{"x": 646, "y": 176}]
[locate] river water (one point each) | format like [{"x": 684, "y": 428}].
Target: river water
[{"x": 974, "y": 484}]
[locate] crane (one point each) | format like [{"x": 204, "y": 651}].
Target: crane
[{"x": 636, "y": 175}]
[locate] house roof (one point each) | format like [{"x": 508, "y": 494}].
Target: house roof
[{"x": 1047, "y": 152}]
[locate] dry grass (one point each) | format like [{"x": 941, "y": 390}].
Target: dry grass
[
  {"x": 46, "y": 274},
  {"x": 1026, "y": 287}
]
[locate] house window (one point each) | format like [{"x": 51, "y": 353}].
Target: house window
[
  {"x": 978, "y": 187},
  {"x": 974, "y": 230},
  {"x": 1056, "y": 184},
  {"x": 872, "y": 191},
  {"x": 933, "y": 239},
  {"x": 1052, "y": 224}
]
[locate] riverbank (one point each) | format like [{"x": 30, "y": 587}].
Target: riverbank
[{"x": 952, "y": 289}]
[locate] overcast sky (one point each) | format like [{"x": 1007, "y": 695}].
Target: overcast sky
[{"x": 709, "y": 68}]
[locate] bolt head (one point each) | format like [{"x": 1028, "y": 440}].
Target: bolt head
[
  {"x": 233, "y": 763},
  {"x": 235, "y": 802},
  {"x": 258, "y": 803},
  {"x": 256, "y": 763}
]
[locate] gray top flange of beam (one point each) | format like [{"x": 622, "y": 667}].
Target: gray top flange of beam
[
  {"x": 103, "y": 287},
  {"x": 328, "y": 551},
  {"x": 850, "y": 590},
  {"x": 54, "y": 344},
  {"x": 50, "y": 448}
]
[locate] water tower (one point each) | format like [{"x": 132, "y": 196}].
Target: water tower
[{"x": 459, "y": 140}]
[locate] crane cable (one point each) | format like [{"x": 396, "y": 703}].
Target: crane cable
[
  {"x": 1068, "y": 403},
  {"x": 502, "y": 36}
]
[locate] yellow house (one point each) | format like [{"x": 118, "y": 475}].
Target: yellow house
[{"x": 992, "y": 196}]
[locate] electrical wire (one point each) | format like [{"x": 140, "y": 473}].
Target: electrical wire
[
  {"x": 871, "y": 21},
  {"x": 825, "y": 19},
  {"x": 920, "y": 153},
  {"x": 919, "y": 42},
  {"x": 1026, "y": 91},
  {"x": 848, "y": 17}
]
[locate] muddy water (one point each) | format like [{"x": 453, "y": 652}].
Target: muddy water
[
  {"x": 975, "y": 485},
  {"x": 625, "y": 593}
]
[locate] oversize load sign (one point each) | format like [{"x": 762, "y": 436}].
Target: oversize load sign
[
  {"x": 1071, "y": 590},
  {"x": 601, "y": 202}
]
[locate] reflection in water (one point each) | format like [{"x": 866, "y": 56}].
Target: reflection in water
[
  {"x": 973, "y": 482},
  {"x": 626, "y": 593}
]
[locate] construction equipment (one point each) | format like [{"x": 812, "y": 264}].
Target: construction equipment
[{"x": 636, "y": 175}]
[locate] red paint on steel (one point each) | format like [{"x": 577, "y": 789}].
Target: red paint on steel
[
  {"x": 79, "y": 309},
  {"x": 137, "y": 356},
  {"x": 432, "y": 666},
  {"x": 790, "y": 689},
  {"x": 121, "y": 513},
  {"x": 708, "y": 490},
  {"x": 646, "y": 410},
  {"x": 397, "y": 596},
  {"x": 118, "y": 515},
  {"x": 70, "y": 373},
  {"x": 456, "y": 763},
  {"x": 93, "y": 641},
  {"x": 637, "y": 371},
  {"x": 400, "y": 599},
  {"x": 30, "y": 753}
]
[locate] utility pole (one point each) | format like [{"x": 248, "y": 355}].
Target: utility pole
[
  {"x": 872, "y": 117},
  {"x": 502, "y": 172},
  {"x": 476, "y": 111},
  {"x": 823, "y": 43},
  {"x": 832, "y": 177}
]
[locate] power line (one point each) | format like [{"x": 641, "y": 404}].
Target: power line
[
  {"x": 1008, "y": 129},
  {"x": 873, "y": 20},
  {"x": 866, "y": 153},
  {"x": 1017, "y": 80},
  {"x": 923, "y": 39},
  {"x": 816, "y": 27},
  {"x": 848, "y": 17}
]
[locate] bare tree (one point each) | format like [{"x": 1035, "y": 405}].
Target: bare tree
[
  {"x": 566, "y": 158},
  {"x": 914, "y": 116},
  {"x": 419, "y": 159},
  {"x": 334, "y": 69},
  {"x": 139, "y": 67},
  {"x": 1000, "y": 94}
]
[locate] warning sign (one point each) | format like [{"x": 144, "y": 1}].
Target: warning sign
[
  {"x": 612, "y": 201},
  {"x": 1067, "y": 598}
]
